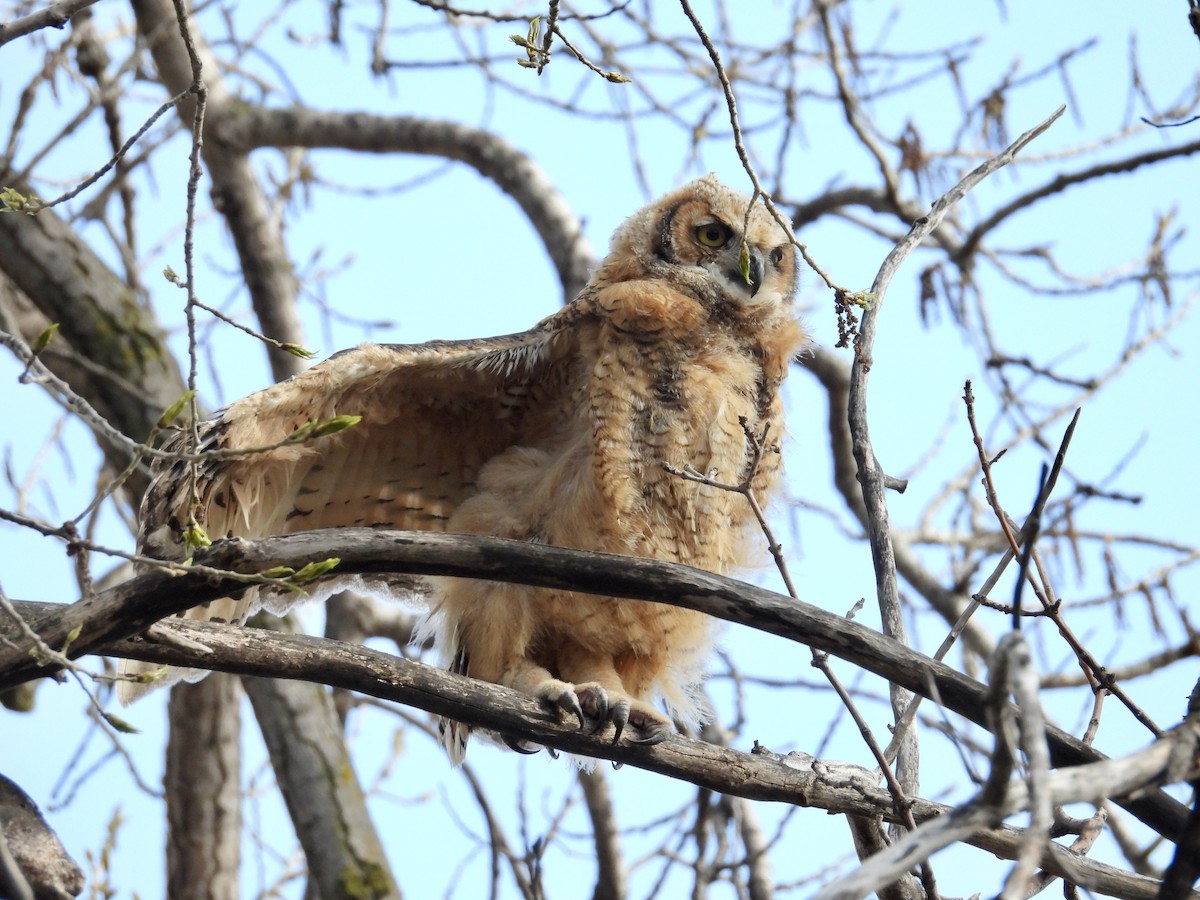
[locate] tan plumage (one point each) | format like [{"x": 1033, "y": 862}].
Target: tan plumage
[{"x": 559, "y": 435}]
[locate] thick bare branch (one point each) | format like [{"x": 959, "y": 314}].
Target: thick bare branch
[
  {"x": 53, "y": 15},
  {"x": 129, "y": 608},
  {"x": 515, "y": 172},
  {"x": 237, "y": 195},
  {"x": 324, "y": 798},
  {"x": 33, "y": 861},
  {"x": 797, "y": 779},
  {"x": 119, "y": 360},
  {"x": 203, "y": 789}
]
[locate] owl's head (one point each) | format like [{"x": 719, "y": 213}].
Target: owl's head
[{"x": 692, "y": 239}]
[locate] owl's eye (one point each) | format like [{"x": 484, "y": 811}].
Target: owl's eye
[
  {"x": 777, "y": 255},
  {"x": 714, "y": 234}
]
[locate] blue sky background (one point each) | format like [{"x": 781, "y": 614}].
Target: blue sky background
[{"x": 452, "y": 257}]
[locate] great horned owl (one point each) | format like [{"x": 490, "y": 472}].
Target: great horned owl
[{"x": 562, "y": 434}]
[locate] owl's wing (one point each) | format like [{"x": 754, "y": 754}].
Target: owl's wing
[{"x": 431, "y": 416}]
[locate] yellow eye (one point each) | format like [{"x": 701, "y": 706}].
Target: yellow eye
[{"x": 714, "y": 234}]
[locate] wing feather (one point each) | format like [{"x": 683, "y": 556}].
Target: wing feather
[{"x": 433, "y": 414}]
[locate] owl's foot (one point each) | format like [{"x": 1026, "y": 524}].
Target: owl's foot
[
  {"x": 565, "y": 698},
  {"x": 638, "y": 722},
  {"x": 650, "y": 726}
]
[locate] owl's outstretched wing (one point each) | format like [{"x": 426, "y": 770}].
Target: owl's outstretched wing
[{"x": 431, "y": 416}]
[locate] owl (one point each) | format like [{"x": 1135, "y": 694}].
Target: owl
[{"x": 571, "y": 434}]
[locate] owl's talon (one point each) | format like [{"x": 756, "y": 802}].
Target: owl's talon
[
  {"x": 568, "y": 702},
  {"x": 594, "y": 701},
  {"x": 654, "y": 737},
  {"x": 521, "y": 747},
  {"x": 620, "y": 718}
]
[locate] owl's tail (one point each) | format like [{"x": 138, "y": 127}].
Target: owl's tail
[{"x": 454, "y": 735}]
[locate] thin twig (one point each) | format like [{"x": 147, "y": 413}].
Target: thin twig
[
  {"x": 116, "y": 158},
  {"x": 744, "y": 156},
  {"x": 758, "y": 446}
]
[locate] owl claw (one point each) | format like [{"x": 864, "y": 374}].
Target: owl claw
[
  {"x": 620, "y": 718},
  {"x": 520, "y": 746},
  {"x": 595, "y": 704},
  {"x": 648, "y": 728},
  {"x": 656, "y": 736},
  {"x": 568, "y": 702},
  {"x": 634, "y": 720}
]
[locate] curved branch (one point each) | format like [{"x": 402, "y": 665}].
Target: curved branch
[
  {"x": 871, "y": 476},
  {"x": 797, "y": 778},
  {"x": 56, "y": 15},
  {"x": 236, "y": 193},
  {"x": 100, "y": 317},
  {"x": 1061, "y": 183},
  {"x": 515, "y": 172},
  {"x": 131, "y": 607}
]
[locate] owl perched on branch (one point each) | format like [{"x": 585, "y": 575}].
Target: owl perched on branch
[{"x": 566, "y": 434}]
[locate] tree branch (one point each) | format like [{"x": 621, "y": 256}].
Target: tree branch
[
  {"x": 131, "y": 607},
  {"x": 101, "y": 319},
  {"x": 237, "y": 195},
  {"x": 515, "y": 172},
  {"x": 55, "y": 15},
  {"x": 797, "y": 779}
]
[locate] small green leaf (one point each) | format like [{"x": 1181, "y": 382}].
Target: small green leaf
[
  {"x": 302, "y": 433},
  {"x": 336, "y": 424},
  {"x": 44, "y": 339},
  {"x": 172, "y": 412},
  {"x": 172, "y": 276},
  {"x": 529, "y": 43},
  {"x": 744, "y": 262},
  {"x": 19, "y": 698},
  {"x": 12, "y": 200},
  {"x": 297, "y": 350},
  {"x": 72, "y": 636},
  {"x": 862, "y": 299},
  {"x": 152, "y": 676},
  {"x": 316, "y": 569},
  {"x": 119, "y": 724},
  {"x": 323, "y": 429},
  {"x": 617, "y": 78},
  {"x": 278, "y": 572},
  {"x": 195, "y": 537}
]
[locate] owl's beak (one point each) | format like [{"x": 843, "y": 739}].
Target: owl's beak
[
  {"x": 754, "y": 274},
  {"x": 749, "y": 279}
]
